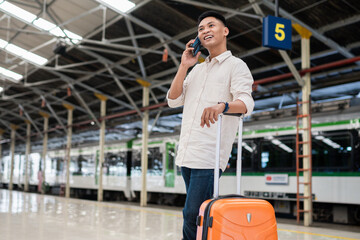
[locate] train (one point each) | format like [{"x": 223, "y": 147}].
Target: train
[{"x": 268, "y": 168}]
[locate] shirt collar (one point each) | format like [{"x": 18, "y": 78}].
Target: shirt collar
[{"x": 220, "y": 58}]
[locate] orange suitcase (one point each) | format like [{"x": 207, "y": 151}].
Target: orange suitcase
[{"x": 234, "y": 217}]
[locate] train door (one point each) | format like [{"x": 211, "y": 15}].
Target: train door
[{"x": 170, "y": 165}]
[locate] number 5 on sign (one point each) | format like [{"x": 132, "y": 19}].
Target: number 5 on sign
[
  {"x": 277, "y": 33},
  {"x": 280, "y": 34}
]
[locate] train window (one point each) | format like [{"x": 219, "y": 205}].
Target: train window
[
  {"x": 136, "y": 163},
  {"x": 83, "y": 164},
  {"x": 34, "y": 160},
  {"x": 277, "y": 153},
  {"x": 116, "y": 163},
  {"x": 247, "y": 155},
  {"x": 59, "y": 165},
  {"x": 6, "y": 167},
  {"x": 155, "y": 163},
  {"x": 332, "y": 151}
]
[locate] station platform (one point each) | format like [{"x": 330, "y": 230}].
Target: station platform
[{"x": 33, "y": 216}]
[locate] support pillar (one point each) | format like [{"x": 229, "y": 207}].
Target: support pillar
[
  {"x": 27, "y": 153},
  {"x": 44, "y": 153},
  {"x": 145, "y": 138},
  {"x": 101, "y": 144},
  {"x": 1, "y": 170},
  {"x": 70, "y": 109},
  {"x": 12, "y": 151},
  {"x": 306, "y": 122}
]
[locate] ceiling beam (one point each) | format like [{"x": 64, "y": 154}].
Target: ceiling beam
[
  {"x": 134, "y": 42},
  {"x": 325, "y": 40},
  {"x": 54, "y": 113},
  {"x": 220, "y": 8},
  {"x": 31, "y": 120}
]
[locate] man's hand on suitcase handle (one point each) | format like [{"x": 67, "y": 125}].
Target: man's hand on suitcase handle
[{"x": 210, "y": 114}]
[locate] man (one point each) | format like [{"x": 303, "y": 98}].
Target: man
[{"x": 223, "y": 83}]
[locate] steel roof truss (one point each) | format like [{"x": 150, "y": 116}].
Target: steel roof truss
[
  {"x": 134, "y": 42},
  {"x": 122, "y": 88},
  {"x": 54, "y": 113},
  {"x": 327, "y": 41}
]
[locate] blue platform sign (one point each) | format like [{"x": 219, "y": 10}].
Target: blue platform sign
[{"x": 277, "y": 33}]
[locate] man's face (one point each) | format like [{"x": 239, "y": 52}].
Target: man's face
[{"x": 212, "y": 32}]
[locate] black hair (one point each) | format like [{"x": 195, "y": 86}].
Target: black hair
[{"x": 212, "y": 14}]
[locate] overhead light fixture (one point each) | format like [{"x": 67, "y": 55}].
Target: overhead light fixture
[
  {"x": 40, "y": 23},
  {"x": 281, "y": 145},
  {"x": 1, "y": 89},
  {"x": 3, "y": 43},
  {"x": 22, "y": 53},
  {"x": 328, "y": 142},
  {"x": 119, "y": 5},
  {"x": 247, "y": 147},
  {"x": 18, "y": 12},
  {"x": 12, "y": 76}
]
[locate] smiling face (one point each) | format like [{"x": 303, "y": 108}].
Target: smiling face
[{"x": 212, "y": 33}]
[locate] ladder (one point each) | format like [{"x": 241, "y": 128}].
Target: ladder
[{"x": 300, "y": 145}]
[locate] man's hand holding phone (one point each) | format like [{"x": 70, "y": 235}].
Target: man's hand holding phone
[{"x": 188, "y": 58}]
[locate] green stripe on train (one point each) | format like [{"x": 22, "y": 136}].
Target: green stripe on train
[
  {"x": 150, "y": 143},
  {"x": 352, "y": 121}
]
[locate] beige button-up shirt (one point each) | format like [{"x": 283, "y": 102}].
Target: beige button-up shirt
[{"x": 223, "y": 79}]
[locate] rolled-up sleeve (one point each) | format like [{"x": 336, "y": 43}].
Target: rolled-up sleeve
[
  {"x": 179, "y": 101},
  {"x": 241, "y": 85}
]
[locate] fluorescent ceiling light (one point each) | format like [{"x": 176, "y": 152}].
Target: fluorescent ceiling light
[
  {"x": 54, "y": 30},
  {"x": 43, "y": 24},
  {"x": 319, "y": 137},
  {"x": 3, "y": 43},
  {"x": 75, "y": 38},
  {"x": 32, "y": 57},
  {"x": 281, "y": 145},
  {"x": 18, "y": 12},
  {"x": 22, "y": 53},
  {"x": 328, "y": 142},
  {"x": 59, "y": 33},
  {"x": 40, "y": 23},
  {"x": 247, "y": 147},
  {"x": 286, "y": 148},
  {"x": 1, "y": 89},
  {"x": 331, "y": 143},
  {"x": 18, "y": 51},
  {"x": 120, "y": 5},
  {"x": 13, "y": 76}
]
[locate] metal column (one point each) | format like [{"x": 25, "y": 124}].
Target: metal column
[
  {"x": 144, "y": 152},
  {"x": 306, "y": 154},
  {"x": 44, "y": 153},
  {"x": 102, "y": 143},
  {"x": 70, "y": 109},
  {"x": 12, "y": 150},
  {"x": 27, "y": 153}
]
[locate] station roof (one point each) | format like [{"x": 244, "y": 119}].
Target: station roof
[{"x": 90, "y": 46}]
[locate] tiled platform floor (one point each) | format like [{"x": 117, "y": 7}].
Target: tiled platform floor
[{"x": 28, "y": 216}]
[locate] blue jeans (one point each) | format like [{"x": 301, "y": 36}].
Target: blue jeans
[{"x": 199, "y": 185}]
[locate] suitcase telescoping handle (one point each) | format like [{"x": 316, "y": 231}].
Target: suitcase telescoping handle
[{"x": 218, "y": 147}]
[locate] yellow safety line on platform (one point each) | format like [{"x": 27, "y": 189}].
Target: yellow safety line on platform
[{"x": 316, "y": 234}]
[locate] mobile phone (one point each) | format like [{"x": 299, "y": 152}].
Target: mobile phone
[{"x": 196, "y": 45}]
